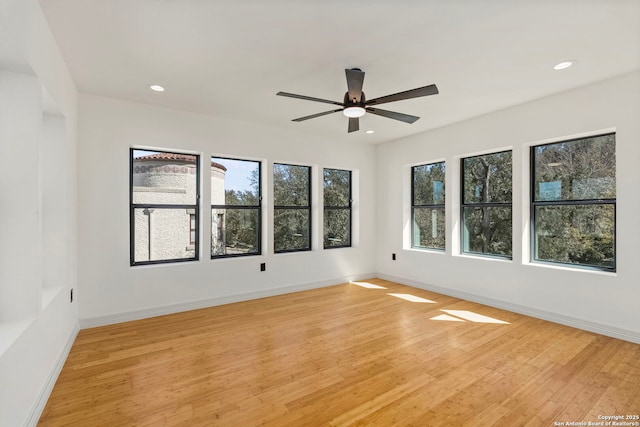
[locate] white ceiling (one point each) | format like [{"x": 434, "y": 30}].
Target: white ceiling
[{"x": 230, "y": 57}]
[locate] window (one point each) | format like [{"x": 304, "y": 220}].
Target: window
[
  {"x": 291, "y": 208},
  {"x": 164, "y": 196},
  {"x": 236, "y": 207},
  {"x": 427, "y": 206},
  {"x": 337, "y": 208},
  {"x": 573, "y": 206},
  {"x": 486, "y": 204}
]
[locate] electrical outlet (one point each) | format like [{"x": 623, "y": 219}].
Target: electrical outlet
[
  {"x": 263, "y": 266},
  {"x": 393, "y": 257}
]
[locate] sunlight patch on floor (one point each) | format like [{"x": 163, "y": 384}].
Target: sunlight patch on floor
[
  {"x": 412, "y": 298},
  {"x": 447, "y": 318},
  {"x": 474, "y": 317},
  {"x": 368, "y": 285}
]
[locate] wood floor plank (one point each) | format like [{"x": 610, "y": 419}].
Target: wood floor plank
[{"x": 344, "y": 355}]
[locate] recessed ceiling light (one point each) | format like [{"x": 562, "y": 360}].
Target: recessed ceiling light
[
  {"x": 157, "y": 88},
  {"x": 563, "y": 65},
  {"x": 369, "y": 131}
]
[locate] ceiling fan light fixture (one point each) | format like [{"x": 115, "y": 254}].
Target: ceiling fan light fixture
[{"x": 354, "y": 112}]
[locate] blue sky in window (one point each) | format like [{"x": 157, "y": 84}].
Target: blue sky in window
[{"x": 238, "y": 175}]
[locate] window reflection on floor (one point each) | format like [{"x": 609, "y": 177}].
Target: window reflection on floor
[
  {"x": 448, "y": 316},
  {"x": 462, "y": 315},
  {"x": 368, "y": 285},
  {"x": 412, "y": 298}
]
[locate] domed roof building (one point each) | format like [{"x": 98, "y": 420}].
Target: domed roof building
[{"x": 170, "y": 180}]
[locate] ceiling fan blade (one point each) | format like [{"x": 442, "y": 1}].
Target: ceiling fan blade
[
  {"x": 355, "y": 78},
  {"x": 393, "y": 115},
  {"x": 407, "y": 94},
  {"x": 354, "y": 124},
  {"x": 309, "y": 98},
  {"x": 313, "y": 116}
]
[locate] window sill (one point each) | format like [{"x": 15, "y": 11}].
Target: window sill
[
  {"x": 486, "y": 257},
  {"x": 427, "y": 250},
  {"x": 294, "y": 252},
  {"x": 570, "y": 268},
  {"x": 163, "y": 264},
  {"x": 329, "y": 248},
  {"x": 236, "y": 257}
]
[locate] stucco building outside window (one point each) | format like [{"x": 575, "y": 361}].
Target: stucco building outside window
[{"x": 165, "y": 211}]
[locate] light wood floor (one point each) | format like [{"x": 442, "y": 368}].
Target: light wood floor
[{"x": 344, "y": 355}]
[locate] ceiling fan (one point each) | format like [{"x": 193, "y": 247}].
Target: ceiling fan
[{"x": 355, "y": 105}]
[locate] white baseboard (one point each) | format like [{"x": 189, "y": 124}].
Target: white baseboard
[
  {"x": 586, "y": 325},
  {"x": 93, "y": 322},
  {"x": 43, "y": 396}
]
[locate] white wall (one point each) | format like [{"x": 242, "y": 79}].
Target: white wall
[
  {"x": 111, "y": 290},
  {"x": 20, "y": 226},
  {"x": 37, "y": 212},
  {"x": 603, "y": 302}
]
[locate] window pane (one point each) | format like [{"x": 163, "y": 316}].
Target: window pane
[
  {"x": 162, "y": 234},
  {"x": 234, "y": 231},
  {"x": 337, "y": 227},
  {"x": 337, "y": 222},
  {"x": 575, "y": 234},
  {"x": 576, "y": 170},
  {"x": 290, "y": 185},
  {"x": 566, "y": 230},
  {"x": 428, "y": 184},
  {"x": 291, "y": 229},
  {"x": 164, "y": 178},
  {"x": 235, "y": 182},
  {"x": 337, "y": 187},
  {"x": 428, "y": 228},
  {"x": 487, "y": 178},
  {"x": 487, "y": 230}
]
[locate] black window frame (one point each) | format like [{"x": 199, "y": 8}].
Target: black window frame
[
  {"x": 567, "y": 202},
  {"x": 257, "y": 207},
  {"x": 426, "y": 206},
  {"x": 348, "y": 207},
  {"x": 151, "y": 206},
  {"x": 193, "y": 229},
  {"x": 284, "y": 207},
  {"x": 464, "y": 205}
]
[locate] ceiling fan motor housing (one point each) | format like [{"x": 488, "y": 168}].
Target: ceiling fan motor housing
[{"x": 354, "y": 102}]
